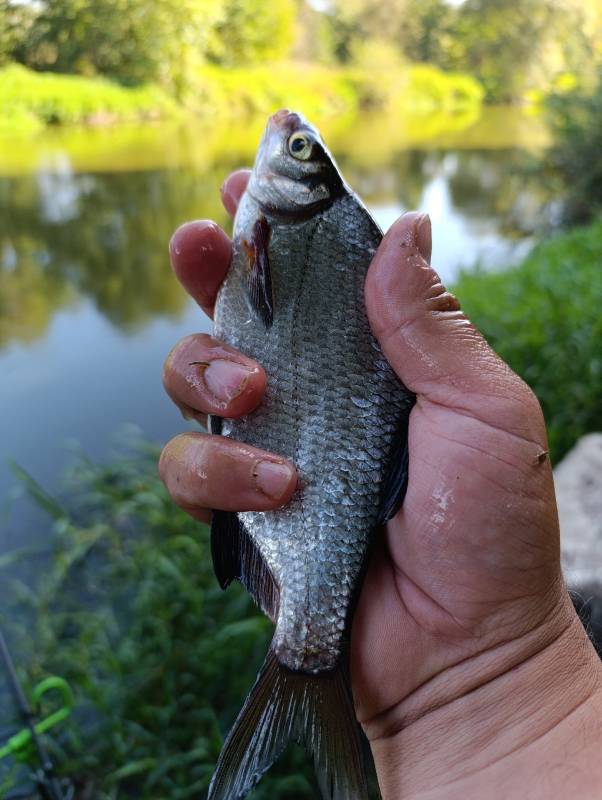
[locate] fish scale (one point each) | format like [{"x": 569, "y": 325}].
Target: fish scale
[
  {"x": 294, "y": 301},
  {"x": 321, "y": 343}
]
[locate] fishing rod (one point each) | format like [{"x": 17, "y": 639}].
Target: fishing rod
[{"x": 48, "y": 784}]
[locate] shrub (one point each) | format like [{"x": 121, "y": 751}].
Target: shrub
[
  {"x": 127, "y": 610},
  {"x": 543, "y": 318},
  {"x": 36, "y": 99},
  {"x": 576, "y": 125},
  {"x": 30, "y": 100}
]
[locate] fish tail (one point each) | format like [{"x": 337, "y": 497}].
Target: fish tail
[{"x": 283, "y": 706}]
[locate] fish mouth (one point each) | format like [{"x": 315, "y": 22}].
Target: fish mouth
[{"x": 285, "y": 120}]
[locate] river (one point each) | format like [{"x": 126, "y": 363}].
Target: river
[{"x": 89, "y": 307}]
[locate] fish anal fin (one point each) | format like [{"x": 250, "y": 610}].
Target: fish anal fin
[
  {"x": 225, "y": 547},
  {"x": 283, "y": 706},
  {"x": 396, "y": 481},
  {"x": 236, "y": 557},
  {"x": 215, "y": 425},
  {"x": 259, "y": 278}
]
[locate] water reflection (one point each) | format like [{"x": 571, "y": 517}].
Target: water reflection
[
  {"x": 89, "y": 306},
  {"x": 66, "y": 236},
  {"x": 103, "y": 237}
]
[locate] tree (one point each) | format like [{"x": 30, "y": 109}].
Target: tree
[
  {"x": 133, "y": 41},
  {"x": 514, "y": 45},
  {"x": 16, "y": 20},
  {"x": 353, "y": 21},
  {"x": 424, "y": 30},
  {"x": 573, "y": 161},
  {"x": 253, "y": 30}
]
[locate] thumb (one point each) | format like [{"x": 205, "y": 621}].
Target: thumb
[{"x": 432, "y": 346}]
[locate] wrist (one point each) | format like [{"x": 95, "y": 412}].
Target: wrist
[{"x": 500, "y": 723}]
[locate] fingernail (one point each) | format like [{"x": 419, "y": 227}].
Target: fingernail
[
  {"x": 272, "y": 478},
  {"x": 226, "y": 380},
  {"x": 187, "y": 413},
  {"x": 424, "y": 237},
  {"x": 228, "y": 199}
]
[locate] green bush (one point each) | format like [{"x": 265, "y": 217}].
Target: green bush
[
  {"x": 322, "y": 92},
  {"x": 32, "y": 99},
  {"x": 543, "y": 318},
  {"x": 127, "y": 610},
  {"x": 237, "y": 94},
  {"x": 575, "y": 156}
]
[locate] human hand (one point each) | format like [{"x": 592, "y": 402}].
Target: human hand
[{"x": 465, "y": 587}]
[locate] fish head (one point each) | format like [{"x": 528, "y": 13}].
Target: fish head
[{"x": 294, "y": 174}]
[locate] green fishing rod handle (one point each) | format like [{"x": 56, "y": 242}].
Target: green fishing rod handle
[
  {"x": 53, "y": 683},
  {"x": 17, "y": 744}
]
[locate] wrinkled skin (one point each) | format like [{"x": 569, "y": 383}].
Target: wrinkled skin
[{"x": 466, "y": 580}]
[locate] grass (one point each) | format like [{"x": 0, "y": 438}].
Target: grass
[
  {"x": 31, "y": 100},
  {"x": 543, "y": 318},
  {"x": 127, "y": 610}
]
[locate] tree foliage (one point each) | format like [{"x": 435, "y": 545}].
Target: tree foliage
[
  {"x": 127, "y": 610},
  {"x": 133, "y": 41},
  {"x": 15, "y": 23},
  {"x": 250, "y": 31},
  {"x": 510, "y": 46},
  {"x": 514, "y": 45},
  {"x": 137, "y": 41},
  {"x": 574, "y": 159},
  {"x": 543, "y": 318}
]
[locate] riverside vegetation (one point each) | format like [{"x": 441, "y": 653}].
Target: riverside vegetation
[
  {"x": 32, "y": 100},
  {"x": 118, "y": 60}
]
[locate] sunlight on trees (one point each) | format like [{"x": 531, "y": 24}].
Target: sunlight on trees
[{"x": 510, "y": 46}]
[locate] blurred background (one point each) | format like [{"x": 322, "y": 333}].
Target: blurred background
[{"x": 119, "y": 119}]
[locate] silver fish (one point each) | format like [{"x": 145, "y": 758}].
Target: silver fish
[{"x": 294, "y": 300}]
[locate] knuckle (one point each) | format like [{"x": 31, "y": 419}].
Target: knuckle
[{"x": 203, "y": 340}]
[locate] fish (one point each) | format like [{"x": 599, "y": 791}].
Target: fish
[{"x": 293, "y": 299}]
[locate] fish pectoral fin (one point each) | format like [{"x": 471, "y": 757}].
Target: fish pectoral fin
[
  {"x": 396, "y": 481},
  {"x": 283, "y": 706},
  {"x": 259, "y": 278},
  {"x": 236, "y": 557}
]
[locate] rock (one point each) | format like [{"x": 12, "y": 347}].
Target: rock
[
  {"x": 578, "y": 481},
  {"x": 588, "y": 603}
]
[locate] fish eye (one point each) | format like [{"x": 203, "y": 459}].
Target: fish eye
[{"x": 300, "y": 146}]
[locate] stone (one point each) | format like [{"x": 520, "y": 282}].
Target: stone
[{"x": 578, "y": 482}]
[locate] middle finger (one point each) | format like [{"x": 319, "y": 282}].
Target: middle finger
[{"x": 205, "y": 376}]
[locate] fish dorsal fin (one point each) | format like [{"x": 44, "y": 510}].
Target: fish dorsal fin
[
  {"x": 259, "y": 278},
  {"x": 236, "y": 557},
  {"x": 396, "y": 480}
]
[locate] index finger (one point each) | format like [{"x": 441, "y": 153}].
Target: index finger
[
  {"x": 200, "y": 251},
  {"x": 233, "y": 189}
]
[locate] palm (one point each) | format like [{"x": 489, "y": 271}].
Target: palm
[{"x": 468, "y": 552}]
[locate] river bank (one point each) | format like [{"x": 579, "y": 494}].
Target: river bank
[{"x": 32, "y": 100}]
